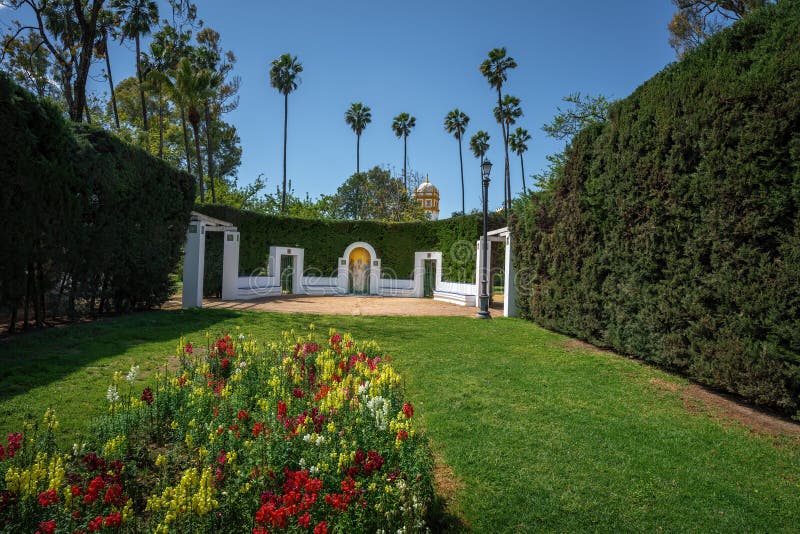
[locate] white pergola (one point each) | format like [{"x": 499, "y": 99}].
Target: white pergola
[
  {"x": 194, "y": 258},
  {"x": 501, "y": 235}
]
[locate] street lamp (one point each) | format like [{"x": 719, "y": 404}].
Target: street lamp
[{"x": 483, "y": 312}]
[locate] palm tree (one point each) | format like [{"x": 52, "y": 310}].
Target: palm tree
[
  {"x": 137, "y": 17},
  {"x": 507, "y": 114},
  {"x": 104, "y": 26},
  {"x": 456, "y": 123},
  {"x": 358, "y": 116},
  {"x": 479, "y": 144},
  {"x": 190, "y": 87},
  {"x": 495, "y": 70},
  {"x": 284, "y": 76},
  {"x": 517, "y": 141},
  {"x": 402, "y": 126}
]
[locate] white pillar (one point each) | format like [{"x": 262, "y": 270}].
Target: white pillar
[
  {"x": 510, "y": 295},
  {"x": 374, "y": 276},
  {"x": 343, "y": 280},
  {"x": 193, "y": 265},
  {"x": 230, "y": 265}
]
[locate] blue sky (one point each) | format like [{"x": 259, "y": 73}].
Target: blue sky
[{"x": 421, "y": 57}]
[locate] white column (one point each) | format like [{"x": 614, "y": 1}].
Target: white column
[
  {"x": 193, "y": 265},
  {"x": 510, "y": 294},
  {"x": 230, "y": 265},
  {"x": 374, "y": 276},
  {"x": 343, "y": 284}
]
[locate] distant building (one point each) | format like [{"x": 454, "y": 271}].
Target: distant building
[{"x": 428, "y": 197}]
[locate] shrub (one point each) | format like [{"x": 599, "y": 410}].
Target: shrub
[{"x": 673, "y": 234}]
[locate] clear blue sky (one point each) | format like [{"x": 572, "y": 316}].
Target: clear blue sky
[{"x": 419, "y": 57}]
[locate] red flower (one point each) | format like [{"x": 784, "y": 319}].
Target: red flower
[
  {"x": 96, "y": 523},
  {"x": 113, "y": 520},
  {"x": 95, "y": 487},
  {"x": 321, "y": 528},
  {"x": 304, "y": 520},
  {"x": 281, "y": 409},
  {"x": 76, "y": 490},
  {"x": 47, "y": 527},
  {"x": 188, "y": 348},
  {"x": 408, "y": 410},
  {"x": 114, "y": 495},
  {"x": 14, "y": 444},
  {"x": 221, "y": 457},
  {"x": 225, "y": 363},
  {"x": 46, "y": 498},
  {"x": 242, "y": 415},
  {"x": 147, "y": 396},
  {"x": 402, "y": 435},
  {"x": 335, "y": 338},
  {"x": 258, "y": 428}
]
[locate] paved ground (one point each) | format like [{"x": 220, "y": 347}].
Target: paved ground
[{"x": 344, "y": 305}]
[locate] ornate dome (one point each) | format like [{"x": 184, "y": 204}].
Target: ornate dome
[{"x": 427, "y": 195}]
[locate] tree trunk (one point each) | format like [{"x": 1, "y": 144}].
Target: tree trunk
[
  {"x": 88, "y": 115},
  {"x": 210, "y": 152},
  {"x": 196, "y": 128},
  {"x": 522, "y": 165},
  {"x": 505, "y": 144},
  {"x": 285, "y": 124},
  {"x": 461, "y": 163},
  {"x": 358, "y": 153},
  {"x": 88, "y": 33},
  {"x": 186, "y": 141},
  {"x": 12, "y": 323},
  {"x": 160, "y": 126},
  {"x": 111, "y": 85},
  {"x": 507, "y": 177},
  {"x": 141, "y": 89},
  {"x": 405, "y": 161}
]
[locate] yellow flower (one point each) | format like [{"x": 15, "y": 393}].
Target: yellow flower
[{"x": 161, "y": 461}]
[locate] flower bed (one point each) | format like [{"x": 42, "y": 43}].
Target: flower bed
[{"x": 297, "y": 435}]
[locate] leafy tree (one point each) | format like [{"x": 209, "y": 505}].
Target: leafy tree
[
  {"x": 456, "y": 123},
  {"x": 374, "y": 195},
  {"x": 29, "y": 63},
  {"x": 517, "y": 141},
  {"x": 479, "y": 144},
  {"x": 696, "y": 20},
  {"x": 495, "y": 69},
  {"x": 357, "y": 117},
  {"x": 402, "y": 126},
  {"x": 583, "y": 111},
  {"x": 137, "y": 18},
  {"x": 284, "y": 75},
  {"x": 68, "y": 30}
]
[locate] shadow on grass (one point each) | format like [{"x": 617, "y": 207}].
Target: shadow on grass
[
  {"x": 441, "y": 520},
  {"x": 42, "y": 357}
]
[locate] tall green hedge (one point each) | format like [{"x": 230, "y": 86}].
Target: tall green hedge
[
  {"x": 82, "y": 213},
  {"x": 674, "y": 233},
  {"x": 324, "y": 241}
]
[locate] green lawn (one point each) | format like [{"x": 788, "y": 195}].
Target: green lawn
[{"x": 539, "y": 435}]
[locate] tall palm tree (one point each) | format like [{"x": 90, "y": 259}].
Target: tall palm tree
[
  {"x": 402, "y": 126},
  {"x": 517, "y": 141},
  {"x": 479, "y": 144},
  {"x": 137, "y": 18},
  {"x": 284, "y": 75},
  {"x": 357, "y": 117},
  {"x": 105, "y": 25},
  {"x": 495, "y": 70},
  {"x": 507, "y": 113},
  {"x": 190, "y": 87},
  {"x": 456, "y": 123}
]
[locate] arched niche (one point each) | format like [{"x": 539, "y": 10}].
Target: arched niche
[{"x": 348, "y": 273}]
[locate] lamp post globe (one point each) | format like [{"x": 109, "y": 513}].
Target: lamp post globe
[{"x": 483, "y": 298}]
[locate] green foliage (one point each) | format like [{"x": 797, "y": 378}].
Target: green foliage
[
  {"x": 82, "y": 209},
  {"x": 673, "y": 232},
  {"x": 324, "y": 241},
  {"x": 374, "y": 195}
]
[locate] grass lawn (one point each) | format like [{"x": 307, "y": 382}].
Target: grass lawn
[{"x": 537, "y": 432}]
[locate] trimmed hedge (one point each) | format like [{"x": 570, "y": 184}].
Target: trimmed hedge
[
  {"x": 85, "y": 214},
  {"x": 324, "y": 241},
  {"x": 674, "y": 234}
]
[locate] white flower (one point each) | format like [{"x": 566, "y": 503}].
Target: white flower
[
  {"x": 112, "y": 395},
  {"x": 241, "y": 337},
  {"x": 242, "y": 364},
  {"x": 131, "y": 376},
  {"x": 302, "y": 462},
  {"x": 307, "y": 438},
  {"x": 313, "y": 469},
  {"x": 363, "y": 387},
  {"x": 320, "y": 440},
  {"x": 379, "y": 408}
]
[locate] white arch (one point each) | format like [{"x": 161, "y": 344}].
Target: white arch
[
  {"x": 374, "y": 269},
  {"x": 359, "y": 244}
]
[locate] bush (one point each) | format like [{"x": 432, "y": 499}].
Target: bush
[
  {"x": 673, "y": 234},
  {"x": 307, "y": 434},
  {"x": 85, "y": 213},
  {"x": 324, "y": 240}
]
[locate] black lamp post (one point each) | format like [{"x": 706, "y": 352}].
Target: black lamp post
[{"x": 483, "y": 312}]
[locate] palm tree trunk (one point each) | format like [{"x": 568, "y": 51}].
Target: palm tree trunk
[
  {"x": 505, "y": 144},
  {"x": 160, "y": 126},
  {"x": 461, "y": 162},
  {"x": 111, "y": 86},
  {"x": 210, "y": 152},
  {"x": 405, "y": 161},
  {"x": 285, "y": 124},
  {"x": 508, "y": 178},
  {"x": 522, "y": 165},
  {"x": 141, "y": 91},
  {"x": 186, "y": 141},
  {"x": 196, "y": 128},
  {"x": 358, "y": 153}
]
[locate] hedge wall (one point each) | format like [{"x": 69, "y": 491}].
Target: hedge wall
[
  {"x": 324, "y": 241},
  {"x": 86, "y": 215},
  {"x": 674, "y": 233}
]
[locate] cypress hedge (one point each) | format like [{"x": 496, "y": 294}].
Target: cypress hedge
[
  {"x": 324, "y": 241},
  {"x": 673, "y": 234},
  {"x": 85, "y": 216}
]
